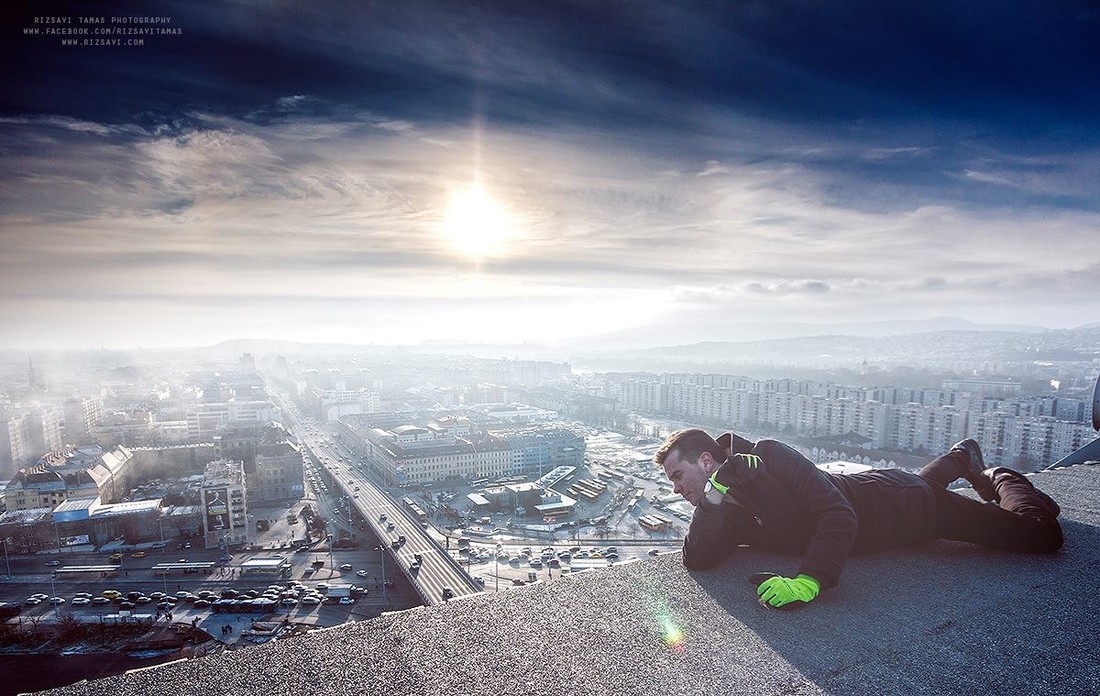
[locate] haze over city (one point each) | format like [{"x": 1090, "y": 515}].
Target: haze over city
[{"x": 381, "y": 173}]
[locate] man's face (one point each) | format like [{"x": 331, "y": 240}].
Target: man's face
[{"x": 688, "y": 477}]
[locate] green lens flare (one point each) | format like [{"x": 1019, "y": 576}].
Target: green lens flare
[{"x": 673, "y": 635}]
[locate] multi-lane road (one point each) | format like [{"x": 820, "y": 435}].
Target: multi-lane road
[{"x": 439, "y": 576}]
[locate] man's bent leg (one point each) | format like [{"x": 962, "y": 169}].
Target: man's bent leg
[
  {"x": 1026, "y": 526},
  {"x": 963, "y": 461},
  {"x": 944, "y": 469}
]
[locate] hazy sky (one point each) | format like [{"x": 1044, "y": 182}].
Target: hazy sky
[{"x": 390, "y": 172}]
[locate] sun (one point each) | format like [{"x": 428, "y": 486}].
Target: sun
[{"x": 476, "y": 225}]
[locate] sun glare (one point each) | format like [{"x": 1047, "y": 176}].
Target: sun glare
[{"x": 476, "y": 225}]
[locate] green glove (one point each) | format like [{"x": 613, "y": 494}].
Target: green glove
[{"x": 778, "y": 591}]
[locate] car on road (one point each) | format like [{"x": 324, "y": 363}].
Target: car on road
[
  {"x": 345, "y": 566},
  {"x": 289, "y": 601},
  {"x": 346, "y": 600},
  {"x": 81, "y": 601},
  {"x": 199, "y": 603},
  {"x": 362, "y": 572},
  {"x": 32, "y": 601},
  {"x": 53, "y": 564},
  {"x": 111, "y": 594},
  {"x": 57, "y": 600},
  {"x": 125, "y": 605},
  {"x": 137, "y": 554},
  {"x": 100, "y": 600},
  {"x": 311, "y": 600}
]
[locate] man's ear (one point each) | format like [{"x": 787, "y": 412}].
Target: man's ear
[{"x": 709, "y": 465}]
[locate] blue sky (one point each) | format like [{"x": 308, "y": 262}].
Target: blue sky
[{"x": 546, "y": 172}]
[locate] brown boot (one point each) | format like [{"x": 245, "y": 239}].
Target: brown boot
[{"x": 976, "y": 466}]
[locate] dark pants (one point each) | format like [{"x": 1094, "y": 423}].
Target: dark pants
[{"x": 1021, "y": 521}]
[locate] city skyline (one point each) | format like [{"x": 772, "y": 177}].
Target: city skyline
[{"x": 378, "y": 174}]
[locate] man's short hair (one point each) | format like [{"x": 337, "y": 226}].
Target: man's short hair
[{"x": 690, "y": 443}]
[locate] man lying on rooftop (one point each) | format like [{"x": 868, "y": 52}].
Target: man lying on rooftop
[{"x": 766, "y": 495}]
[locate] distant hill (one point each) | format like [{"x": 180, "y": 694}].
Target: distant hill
[
  {"x": 711, "y": 331},
  {"x": 826, "y": 351}
]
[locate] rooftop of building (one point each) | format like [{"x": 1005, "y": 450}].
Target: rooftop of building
[
  {"x": 129, "y": 507},
  {"x": 222, "y": 472},
  {"x": 76, "y": 504},
  {"x": 942, "y": 617}
]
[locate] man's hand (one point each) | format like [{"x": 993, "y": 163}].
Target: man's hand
[{"x": 777, "y": 591}]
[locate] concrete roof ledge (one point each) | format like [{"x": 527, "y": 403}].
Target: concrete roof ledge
[{"x": 934, "y": 619}]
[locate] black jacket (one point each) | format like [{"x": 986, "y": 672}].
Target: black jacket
[{"x": 788, "y": 505}]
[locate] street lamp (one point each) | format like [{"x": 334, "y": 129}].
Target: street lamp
[
  {"x": 382, "y": 551},
  {"x": 496, "y": 568},
  {"x": 6, "y": 561}
]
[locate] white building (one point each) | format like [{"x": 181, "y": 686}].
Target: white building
[{"x": 225, "y": 512}]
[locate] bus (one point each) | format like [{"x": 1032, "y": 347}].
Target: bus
[
  {"x": 420, "y": 515},
  {"x": 415, "y": 510},
  {"x": 654, "y": 523}
]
